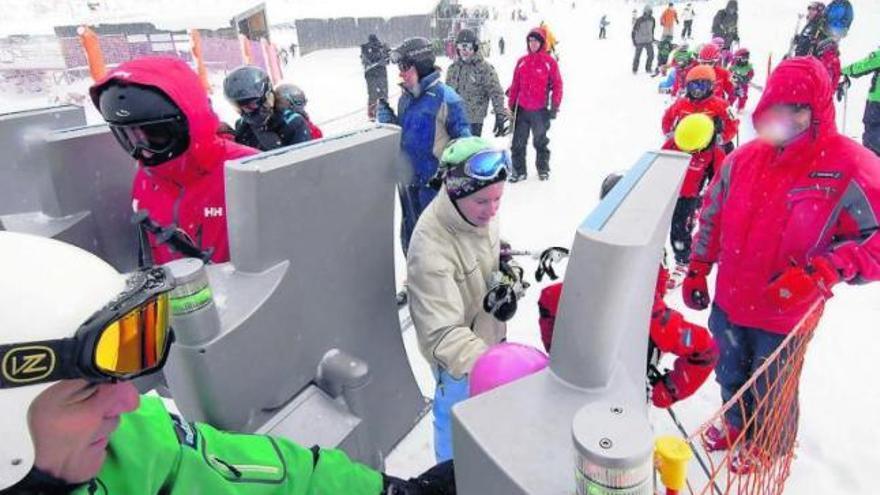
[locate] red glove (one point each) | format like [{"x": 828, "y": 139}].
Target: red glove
[
  {"x": 695, "y": 289},
  {"x": 797, "y": 285},
  {"x": 661, "y": 396}
]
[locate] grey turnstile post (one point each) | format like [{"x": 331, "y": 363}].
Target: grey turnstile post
[
  {"x": 312, "y": 272},
  {"x": 68, "y": 182},
  {"x": 521, "y": 438}
]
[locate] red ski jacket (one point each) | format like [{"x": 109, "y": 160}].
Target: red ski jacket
[
  {"x": 714, "y": 107},
  {"x": 187, "y": 191},
  {"x": 831, "y": 60},
  {"x": 724, "y": 87},
  {"x": 770, "y": 207},
  {"x": 535, "y": 77}
]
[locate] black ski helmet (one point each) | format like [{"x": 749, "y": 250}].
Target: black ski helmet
[
  {"x": 147, "y": 123},
  {"x": 247, "y": 84},
  {"x": 415, "y": 52},
  {"x": 608, "y": 184},
  {"x": 291, "y": 96},
  {"x": 467, "y": 36}
]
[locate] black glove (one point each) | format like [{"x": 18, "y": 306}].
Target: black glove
[
  {"x": 843, "y": 87},
  {"x": 545, "y": 262},
  {"x": 502, "y": 125},
  {"x": 506, "y": 287},
  {"x": 551, "y": 114},
  {"x": 439, "y": 480}
]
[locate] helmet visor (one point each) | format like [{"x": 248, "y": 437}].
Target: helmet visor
[
  {"x": 155, "y": 137},
  {"x": 699, "y": 89}
]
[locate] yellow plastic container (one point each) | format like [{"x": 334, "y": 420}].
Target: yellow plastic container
[{"x": 671, "y": 455}]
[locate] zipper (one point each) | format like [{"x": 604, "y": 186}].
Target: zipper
[{"x": 238, "y": 470}]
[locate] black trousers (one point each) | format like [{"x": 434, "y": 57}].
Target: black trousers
[
  {"x": 686, "y": 30},
  {"x": 871, "y": 136},
  {"x": 538, "y": 123},
  {"x": 601, "y": 33},
  {"x": 476, "y": 129},
  {"x": 649, "y": 47},
  {"x": 377, "y": 87},
  {"x": 683, "y": 222}
]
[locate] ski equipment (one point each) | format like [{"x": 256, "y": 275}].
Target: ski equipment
[
  {"x": 248, "y": 88},
  {"x": 709, "y": 54},
  {"x": 292, "y": 96}
]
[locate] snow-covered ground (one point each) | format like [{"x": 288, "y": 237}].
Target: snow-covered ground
[{"x": 608, "y": 119}]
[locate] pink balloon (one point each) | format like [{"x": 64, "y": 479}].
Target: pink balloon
[{"x": 504, "y": 363}]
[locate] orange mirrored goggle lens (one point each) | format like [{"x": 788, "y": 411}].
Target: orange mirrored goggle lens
[{"x": 137, "y": 342}]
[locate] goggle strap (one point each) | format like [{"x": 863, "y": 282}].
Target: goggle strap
[{"x": 32, "y": 363}]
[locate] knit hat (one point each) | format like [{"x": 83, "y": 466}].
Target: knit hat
[{"x": 459, "y": 183}]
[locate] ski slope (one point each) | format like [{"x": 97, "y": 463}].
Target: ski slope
[{"x": 608, "y": 119}]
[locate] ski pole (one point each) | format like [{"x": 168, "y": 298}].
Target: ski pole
[
  {"x": 693, "y": 449},
  {"x": 845, "y": 105}
]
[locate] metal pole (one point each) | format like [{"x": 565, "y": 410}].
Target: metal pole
[{"x": 693, "y": 449}]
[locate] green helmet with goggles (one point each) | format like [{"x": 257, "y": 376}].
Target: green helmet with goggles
[
  {"x": 74, "y": 316},
  {"x": 470, "y": 164}
]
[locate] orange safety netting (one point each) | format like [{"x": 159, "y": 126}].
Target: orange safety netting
[{"x": 760, "y": 459}]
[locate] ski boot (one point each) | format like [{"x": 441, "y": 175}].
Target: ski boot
[
  {"x": 748, "y": 459},
  {"x": 718, "y": 438},
  {"x": 515, "y": 177},
  {"x": 542, "y": 176}
]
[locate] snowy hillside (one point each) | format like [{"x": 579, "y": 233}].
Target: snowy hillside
[{"x": 607, "y": 120}]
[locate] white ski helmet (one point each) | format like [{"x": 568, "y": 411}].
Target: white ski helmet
[{"x": 48, "y": 290}]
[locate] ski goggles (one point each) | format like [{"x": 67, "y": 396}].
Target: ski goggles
[
  {"x": 465, "y": 47},
  {"x": 127, "y": 338},
  {"x": 156, "y": 137},
  {"x": 488, "y": 164},
  {"x": 699, "y": 89}
]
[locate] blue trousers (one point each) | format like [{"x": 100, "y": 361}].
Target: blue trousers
[
  {"x": 414, "y": 198},
  {"x": 448, "y": 393},
  {"x": 742, "y": 351}
]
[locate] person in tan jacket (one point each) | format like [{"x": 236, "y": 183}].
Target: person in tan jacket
[{"x": 452, "y": 264}]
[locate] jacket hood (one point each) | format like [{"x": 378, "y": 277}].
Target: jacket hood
[
  {"x": 540, "y": 34},
  {"x": 801, "y": 80},
  {"x": 179, "y": 82}
]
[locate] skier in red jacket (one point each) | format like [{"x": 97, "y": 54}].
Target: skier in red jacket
[
  {"x": 699, "y": 87},
  {"x": 710, "y": 54},
  {"x": 160, "y": 114},
  {"x": 534, "y": 96},
  {"x": 828, "y": 53},
  {"x": 669, "y": 332},
  {"x": 788, "y": 216},
  {"x": 696, "y": 134}
]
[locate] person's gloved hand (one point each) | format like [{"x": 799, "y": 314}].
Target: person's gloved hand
[
  {"x": 548, "y": 257},
  {"x": 439, "y": 480},
  {"x": 502, "y": 125},
  {"x": 843, "y": 87},
  {"x": 505, "y": 289},
  {"x": 695, "y": 288},
  {"x": 663, "y": 392},
  {"x": 552, "y": 113},
  {"x": 384, "y": 113},
  {"x": 797, "y": 284}
]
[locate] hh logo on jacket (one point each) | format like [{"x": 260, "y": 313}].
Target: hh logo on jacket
[{"x": 213, "y": 211}]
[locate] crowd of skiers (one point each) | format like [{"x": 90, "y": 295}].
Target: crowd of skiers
[{"x": 784, "y": 218}]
